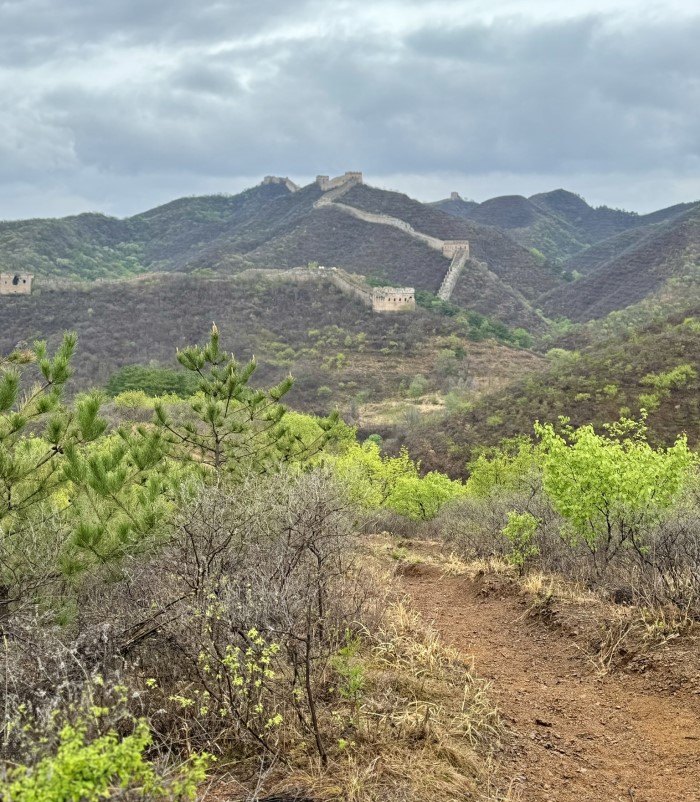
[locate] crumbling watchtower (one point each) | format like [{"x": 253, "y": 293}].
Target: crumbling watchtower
[{"x": 16, "y": 283}]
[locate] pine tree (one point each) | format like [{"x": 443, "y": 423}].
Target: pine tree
[{"x": 232, "y": 428}]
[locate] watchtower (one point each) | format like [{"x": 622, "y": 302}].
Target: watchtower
[{"x": 16, "y": 283}]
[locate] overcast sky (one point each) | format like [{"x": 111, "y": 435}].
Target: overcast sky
[{"x": 119, "y": 105}]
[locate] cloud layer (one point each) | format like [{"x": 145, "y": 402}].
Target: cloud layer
[{"x": 119, "y": 106}]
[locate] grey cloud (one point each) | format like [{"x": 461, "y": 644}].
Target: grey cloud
[
  {"x": 228, "y": 93},
  {"x": 36, "y": 30}
]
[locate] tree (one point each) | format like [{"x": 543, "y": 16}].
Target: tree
[
  {"x": 421, "y": 498},
  {"x": 233, "y": 428},
  {"x": 370, "y": 478},
  {"x": 36, "y": 432},
  {"x": 610, "y": 487}
]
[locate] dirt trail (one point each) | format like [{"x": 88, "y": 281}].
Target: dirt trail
[{"x": 574, "y": 735}]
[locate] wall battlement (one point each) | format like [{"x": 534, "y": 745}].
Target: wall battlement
[
  {"x": 393, "y": 299},
  {"x": 276, "y": 179},
  {"x": 16, "y": 283},
  {"x": 451, "y": 247},
  {"x": 326, "y": 183}
]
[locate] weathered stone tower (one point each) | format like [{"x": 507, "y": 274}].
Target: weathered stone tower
[
  {"x": 16, "y": 283},
  {"x": 326, "y": 183},
  {"x": 393, "y": 299}
]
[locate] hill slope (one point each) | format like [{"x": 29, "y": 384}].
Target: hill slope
[
  {"x": 665, "y": 251},
  {"x": 526, "y": 223},
  {"x": 338, "y": 350},
  {"x": 612, "y": 376},
  {"x": 559, "y": 224}
]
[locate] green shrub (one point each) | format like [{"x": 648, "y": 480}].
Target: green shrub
[
  {"x": 153, "y": 381},
  {"x": 105, "y": 767}
]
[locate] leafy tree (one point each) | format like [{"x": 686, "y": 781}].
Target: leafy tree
[
  {"x": 421, "y": 498},
  {"x": 610, "y": 487},
  {"x": 370, "y": 478},
  {"x": 520, "y": 532},
  {"x": 512, "y": 466},
  {"x": 233, "y": 428},
  {"x": 418, "y": 386}
]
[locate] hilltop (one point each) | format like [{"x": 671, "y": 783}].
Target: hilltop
[
  {"x": 655, "y": 254},
  {"x": 277, "y": 225},
  {"x": 561, "y": 225}
]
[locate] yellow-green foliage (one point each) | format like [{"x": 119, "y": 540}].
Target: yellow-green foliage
[
  {"x": 370, "y": 478},
  {"x": 520, "y": 533},
  {"x": 393, "y": 483},
  {"x": 138, "y": 399},
  {"x": 512, "y": 466},
  {"x": 85, "y": 770},
  {"x": 663, "y": 383},
  {"x": 610, "y": 486},
  {"x": 421, "y": 498},
  {"x": 677, "y": 377},
  {"x": 307, "y": 430}
]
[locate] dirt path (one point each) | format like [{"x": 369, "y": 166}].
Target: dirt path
[{"x": 575, "y": 735}]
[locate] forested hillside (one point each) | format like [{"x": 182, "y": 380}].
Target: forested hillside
[{"x": 337, "y": 349}]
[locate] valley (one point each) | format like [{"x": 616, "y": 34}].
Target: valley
[{"x": 358, "y": 497}]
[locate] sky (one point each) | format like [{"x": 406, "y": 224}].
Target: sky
[{"x": 119, "y": 105}]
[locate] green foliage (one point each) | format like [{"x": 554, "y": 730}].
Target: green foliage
[
  {"x": 108, "y": 766},
  {"x": 539, "y": 256},
  {"x": 663, "y": 383},
  {"x": 520, "y": 532},
  {"x": 393, "y": 482},
  {"x": 447, "y": 362},
  {"x": 474, "y": 326},
  {"x": 513, "y": 466},
  {"x": 153, "y": 381},
  {"x": 670, "y": 379},
  {"x": 233, "y": 428},
  {"x": 610, "y": 487},
  {"x": 418, "y": 386},
  {"x": 36, "y": 430},
  {"x": 522, "y": 338},
  {"x": 370, "y": 479},
  {"x": 106, "y": 496},
  {"x": 420, "y": 498},
  {"x": 120, "y": 495},
  {"x": 349, "y": 667}
]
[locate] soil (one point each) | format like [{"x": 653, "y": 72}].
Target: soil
[{"x": 573, "y": 734}]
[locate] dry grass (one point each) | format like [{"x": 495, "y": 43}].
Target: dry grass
[
  {"x": 633, "y": 633},
  {"x": 612, "y": 635},
  {"x": 429, "y": 553},
  {"x": 422, "y": 725}
]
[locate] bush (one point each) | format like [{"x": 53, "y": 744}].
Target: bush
[
  {"x": 106, "y": 766},
  {"x": 153, "y": 381}
]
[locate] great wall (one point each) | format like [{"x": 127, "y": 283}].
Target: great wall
[
  {"x": 16, "y": 283},
  {"x": 456, "y": 250},
  {"x": 380, "y": 299}
]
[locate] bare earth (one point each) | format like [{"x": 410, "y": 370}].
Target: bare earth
[{"x": 574, "y": 735}]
